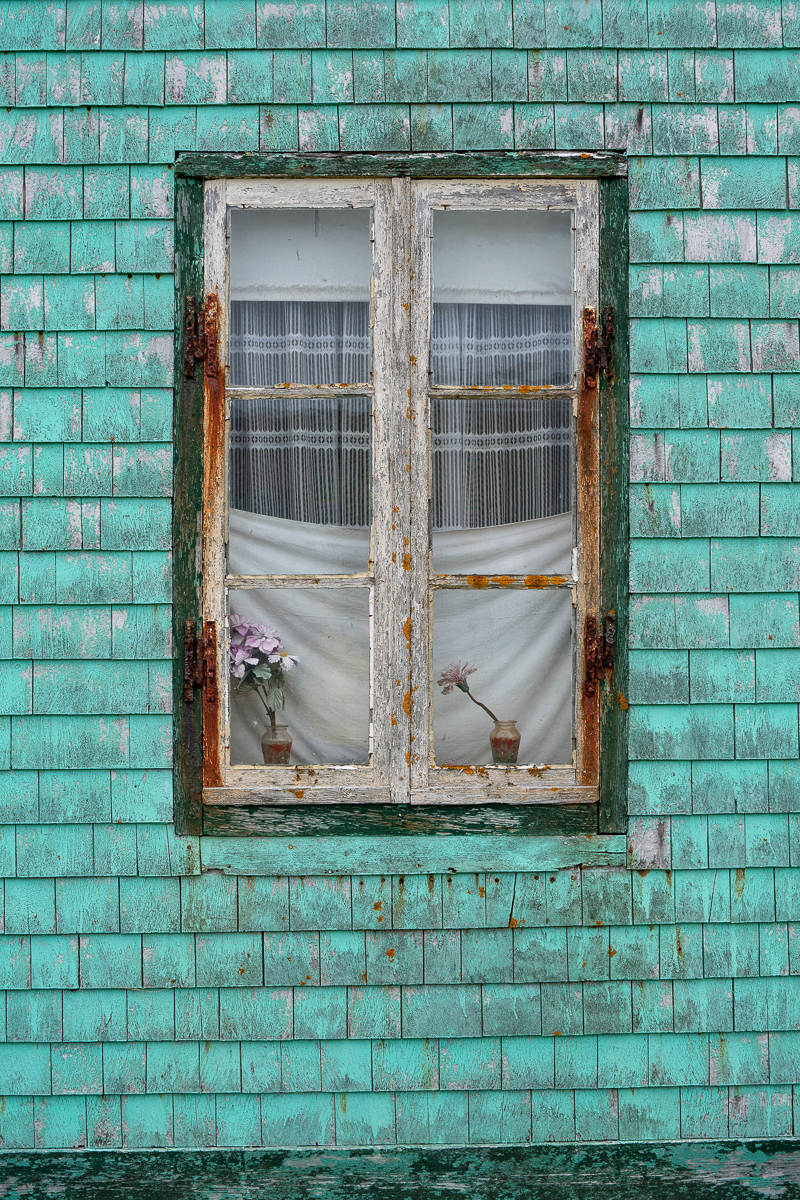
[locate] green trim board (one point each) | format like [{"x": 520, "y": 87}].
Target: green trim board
[
  {"x": 614, "y": 453},
  {"x": 187, "y": 510},
  {"x": 628, "y": 1171},
  {"x": 328, "y": 820},
  {"x": 454, "y": 165},
  {"x": 610, "y": 168}
]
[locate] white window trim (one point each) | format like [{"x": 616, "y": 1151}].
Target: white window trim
[{"x": 401, "y": 768}]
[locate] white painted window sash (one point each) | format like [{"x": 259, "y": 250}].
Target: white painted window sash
[{"x": 401, "y": 769}]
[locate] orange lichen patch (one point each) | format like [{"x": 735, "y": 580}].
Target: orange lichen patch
[
  {"x": 390, "y": 954},
  {"x": 407, "y": 631},
  {"x": 623, "y": 703},
  {"x": 542, "y": 581},
  {"x": 513, "y": 923},
  {"x": 407, "y": 704},
  {"x": 477, "y": 581},
  {"x": 406, "y": 562},
  {"x": 299, "y": 793},
  {"x": 481, "y": 891},
  {"x": 502, "y": 580}
]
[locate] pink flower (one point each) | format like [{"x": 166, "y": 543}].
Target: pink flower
[
  {"x": 240, "y": 661},
  {"x": 455, "y": 676},
  {"x": 263, "y": 638},
  {"x": 240, "y": 628}
]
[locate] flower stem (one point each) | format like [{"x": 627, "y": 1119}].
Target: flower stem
[
  {"x": 271, "y": 711},
  {"x": 483, "y": 706}
]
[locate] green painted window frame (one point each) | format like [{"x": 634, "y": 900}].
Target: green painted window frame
[{"x": 331, "y": 820}]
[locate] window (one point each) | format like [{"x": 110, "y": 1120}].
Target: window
[{"x": 400, "y": 583}]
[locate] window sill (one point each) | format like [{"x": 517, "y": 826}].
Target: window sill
[{"x": 393, "y": 820}]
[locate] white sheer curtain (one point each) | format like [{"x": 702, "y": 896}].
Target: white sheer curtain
[
  {"x": 495, "y": 345},
  {"x": 473, "y": 345},
  {"x": 302, "y": 458},
  {"x": 500, "y": 460},
  {"x": 518, "y": 640},
  {"x": 299, "y": 341},
  {"x": 496, "y": 460}
]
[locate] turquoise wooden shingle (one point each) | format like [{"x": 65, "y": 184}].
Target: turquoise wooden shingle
[
  {"x": 291, "y": 25},
  {"x": 144, "y": 78}
]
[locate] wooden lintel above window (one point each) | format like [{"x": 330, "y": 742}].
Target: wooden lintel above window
[{"x": 464, "y": 164}]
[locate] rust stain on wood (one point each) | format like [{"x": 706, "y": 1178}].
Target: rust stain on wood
[
  {"x": 213, "y": 499},
  {"x": 588, "y": 463},
  {"x": 545, "y": 581},
  {"x": 212, "y": 772}
]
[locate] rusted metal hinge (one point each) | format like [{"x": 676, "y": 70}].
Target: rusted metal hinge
[
  {"x": 597, "y": 345},
  {"x": 200, "y": 661},
  {"x": 200, "y": 336},
  {"x": 599, "y": 647}
]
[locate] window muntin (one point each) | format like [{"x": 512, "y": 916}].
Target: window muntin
[{"x": 404, "y": 581}]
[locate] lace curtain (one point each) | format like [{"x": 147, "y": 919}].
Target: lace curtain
[
  {"x": 473, "y": 345},
  {"x": 500, "y": 460},
  {"x": 494, "y": 345},
  {"x": 299, "y": 341},
  {"x": 495, "y": 460},
  {"x": 302, "y": 458}
]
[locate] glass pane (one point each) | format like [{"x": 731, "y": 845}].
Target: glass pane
[
  {"x": 299, "y": 485},
  {"x": 502, "y": 298},
  {"x": 502, "y": 485},
  {"x": 514, "y": 651},
  {"x": 300, "y": 290},
  {"x": 319, "y": 698}
]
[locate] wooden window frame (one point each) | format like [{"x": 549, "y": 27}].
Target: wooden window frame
[{"x": 415, "y": 798}]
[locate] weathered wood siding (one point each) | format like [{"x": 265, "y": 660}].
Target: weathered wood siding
[{"x": 149, "y": 1004}]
